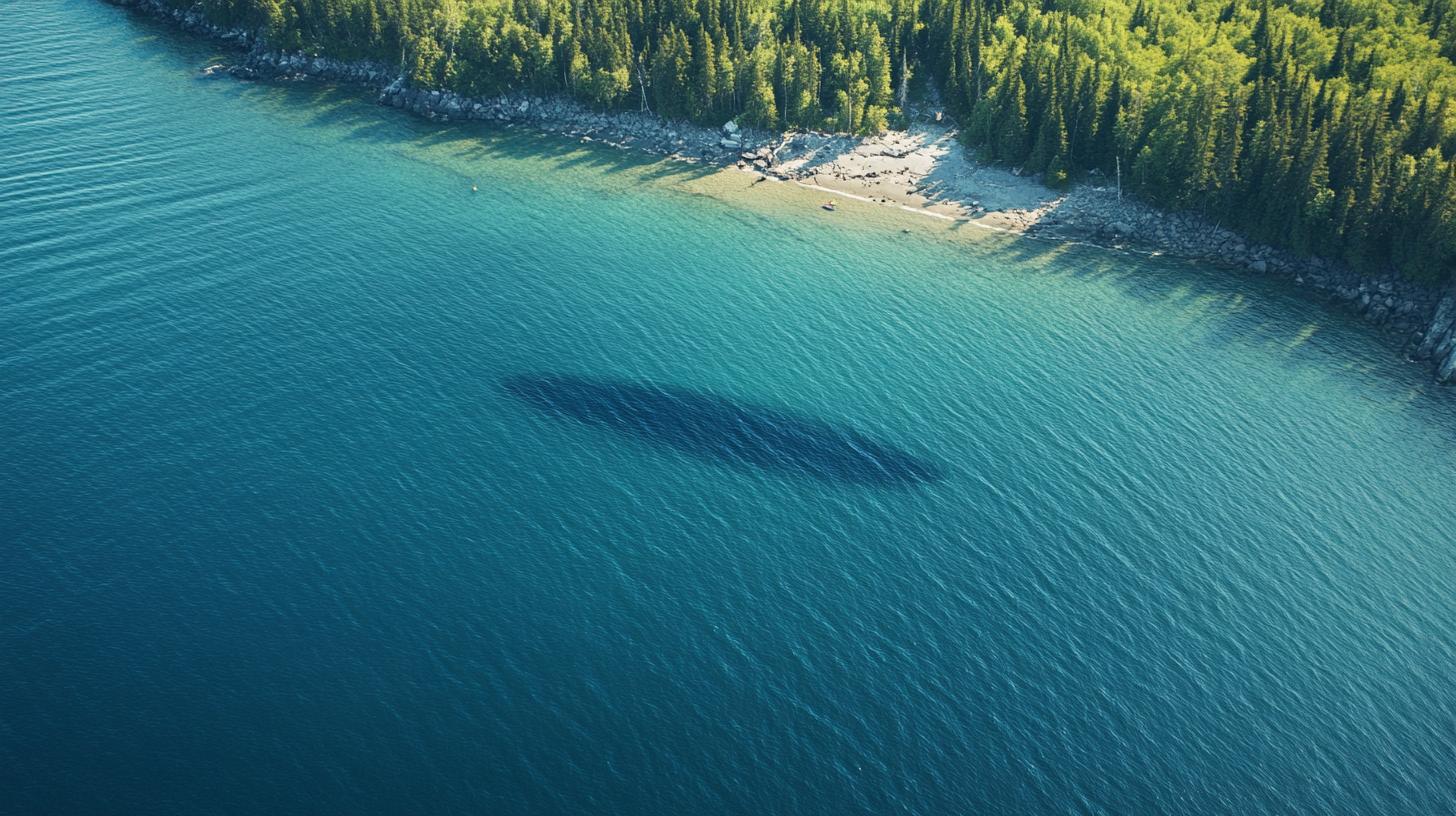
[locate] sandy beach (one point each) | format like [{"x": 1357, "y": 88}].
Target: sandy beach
[{"x": 923, "y": 169}]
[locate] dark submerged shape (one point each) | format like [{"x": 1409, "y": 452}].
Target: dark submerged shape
[{"x": 714, "y": 427}]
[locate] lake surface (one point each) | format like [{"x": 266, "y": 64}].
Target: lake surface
[{"x": 327, "y": 486}]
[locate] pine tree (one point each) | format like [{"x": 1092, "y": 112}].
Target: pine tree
[
  {"x": 1010, "y": 125},
  {"x": 1139, "y": 17},
  {"x": 670, "y": 74},
  {"x": 759, "y": 108},
  {"x": 1103, "y": 153},
  {"x": 1227, "y": 153},
  {"x": 1396, "y": 109},
  {"x": 1313, "y": 196},
  {"x": 703, "y": 76},
  {"x": 1051, "y": 138},
  {"x": 1261, "y": 35}
]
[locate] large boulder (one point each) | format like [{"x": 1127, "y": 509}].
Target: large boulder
[
  {"x": 1446, "y": 371},
  {"x": 1440, "y": 326}
]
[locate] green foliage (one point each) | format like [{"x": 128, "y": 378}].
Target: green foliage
[{"x": 1319, "y": 125}]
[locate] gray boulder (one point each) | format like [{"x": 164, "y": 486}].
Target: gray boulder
[
  {"x": 1440, "y": 325},
  {"x": 1447, "y": 370}
]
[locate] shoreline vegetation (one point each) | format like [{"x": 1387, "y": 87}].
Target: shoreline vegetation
[{"x": 923, "y": 165}]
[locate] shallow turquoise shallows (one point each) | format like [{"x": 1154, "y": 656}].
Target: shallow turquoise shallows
[{"x": 328, "y": 486}]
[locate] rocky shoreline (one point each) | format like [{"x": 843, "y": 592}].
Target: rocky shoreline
[
  {"x": 1407, "y": 309},
  {"x": 921, "y": 169}
]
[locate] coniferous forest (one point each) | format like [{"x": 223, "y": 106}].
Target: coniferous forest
[{"x": 1322, "y": 126}]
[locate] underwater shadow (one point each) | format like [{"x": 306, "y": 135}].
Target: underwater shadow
[{"x": 723, "y": 430}]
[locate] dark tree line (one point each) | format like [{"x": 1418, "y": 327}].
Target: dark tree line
[{"x": 1319, "y": 125}]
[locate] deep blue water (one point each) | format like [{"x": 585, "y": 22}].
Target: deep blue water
[{"x": 327, "y": 486}]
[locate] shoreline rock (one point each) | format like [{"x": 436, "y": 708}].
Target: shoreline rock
[
  {"x": 894, "y": 169},
  {"x": 643, "y": 131}
]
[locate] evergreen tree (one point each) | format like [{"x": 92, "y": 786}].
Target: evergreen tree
[{"x": 703, "y": 76}]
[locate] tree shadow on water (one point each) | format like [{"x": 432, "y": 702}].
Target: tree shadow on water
[
  {"x": 723, "y": 430},
  {"x": 1228, "y": 305},
  {"x": 351, "y": 110},
  {"x": 1307, "y": 332}
]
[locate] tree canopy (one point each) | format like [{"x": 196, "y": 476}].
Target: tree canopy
[{"x": 1323, "y": 126}]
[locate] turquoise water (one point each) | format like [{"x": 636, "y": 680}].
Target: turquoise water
[{"x": 327, "y": 486}]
